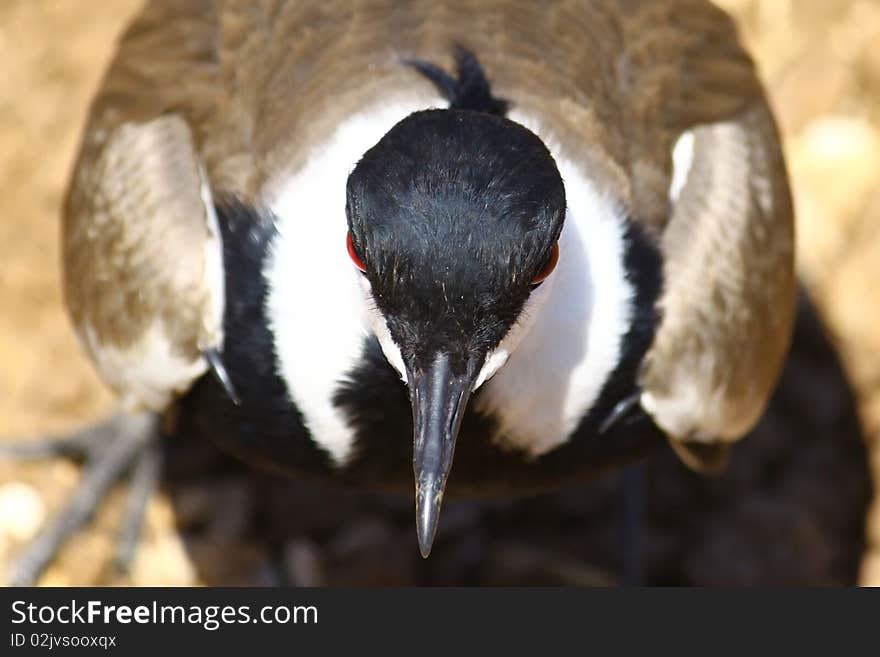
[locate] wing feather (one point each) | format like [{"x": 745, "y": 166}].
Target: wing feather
[
  {"x": 142, "y": 257},
  {"x": 726, "y": 234}
]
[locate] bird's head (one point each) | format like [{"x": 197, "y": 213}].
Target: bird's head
[{"x": 454, "y": 218}]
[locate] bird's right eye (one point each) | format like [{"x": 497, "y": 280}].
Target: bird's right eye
[
  {"x": 353, "y": 255},
  {"x": 549, "y": 267}
]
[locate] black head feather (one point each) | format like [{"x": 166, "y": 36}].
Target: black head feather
[
  {"x": 469, "y": 89},
  {"x": 454, "y": 213}
]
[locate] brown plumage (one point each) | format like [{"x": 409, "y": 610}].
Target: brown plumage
[{"x": 230, "y": 93}]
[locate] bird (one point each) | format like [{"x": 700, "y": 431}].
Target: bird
[{"x": 498, "y": 244}]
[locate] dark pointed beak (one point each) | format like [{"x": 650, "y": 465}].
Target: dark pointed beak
[{"x": 439, "y": 398}]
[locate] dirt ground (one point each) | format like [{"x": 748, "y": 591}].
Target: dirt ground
[{"x": 802, "y": 520}]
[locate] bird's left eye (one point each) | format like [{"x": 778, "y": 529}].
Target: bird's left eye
[
  {"x": 353, "y": 255},
  {"x": 549, "y": 267}
]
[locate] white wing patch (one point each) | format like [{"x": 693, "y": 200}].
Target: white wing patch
[
  {"x": 145, "y": 374},
  {"x": 574, "y": 340},
  {"x": 318, "y": 312},
  {"x": 682, "y": 160},
  {"x": 214, "y": 276}
]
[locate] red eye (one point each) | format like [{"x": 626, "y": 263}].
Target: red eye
[
  {"x": 549, "y": 267},
  {"x": 354, "y": 257}
]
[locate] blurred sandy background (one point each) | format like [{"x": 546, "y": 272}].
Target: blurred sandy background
[{"x": 819, "y": 59}]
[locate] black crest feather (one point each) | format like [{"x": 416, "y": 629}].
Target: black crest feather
[{"x": 469, "y": 89}]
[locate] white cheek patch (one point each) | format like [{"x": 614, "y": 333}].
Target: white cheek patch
[
  {"x": 499, "y": 356},
  {"x": 317, "y": 311},
  {"x": 379, "y": 328},
  {"x": 495, "y": 359},
  {"x": 494, "y": 362},
  {"x": 575, "y": 337}
]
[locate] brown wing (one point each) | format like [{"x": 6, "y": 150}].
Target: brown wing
[
  {"x": 728, "y": 246},
  {"x": 143, "y": 281}
]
